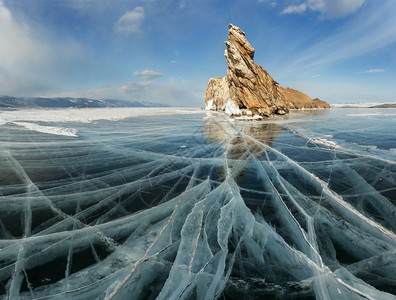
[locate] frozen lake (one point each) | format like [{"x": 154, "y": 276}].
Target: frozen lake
[{"x": 161, "y": 203}]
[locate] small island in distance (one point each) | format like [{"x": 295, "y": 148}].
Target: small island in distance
[
  {"x": 385, "y": 105},
  {"x": 365, "y": 105}
]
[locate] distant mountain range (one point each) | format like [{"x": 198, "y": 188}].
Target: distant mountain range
[
  {"x": 15, "y": 102},
  {"x": 386, "y": 105},
  {"x": 365, "y": 105}
]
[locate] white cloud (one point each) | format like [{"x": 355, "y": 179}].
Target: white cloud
[
  {"x": 364, "y": 33},
  {"x": 147, "y": 74},
  {"x": 172, "y": 92},
  {"x": 131, "y": 21},
  {"x": 133, "y": 86},
  {"x": 328, "y": 9},
  {"x": 102, "y": 91},
  {"x": 270, "y": 3},
  {"x": 18, "y": 45},
  {"x": 33, "y": 62},
  {"x": 22, "y": 54},
  {"x": 374, "y": 71},
  {"x": 295, "y": 9}
]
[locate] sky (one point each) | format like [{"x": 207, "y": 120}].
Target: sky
[{"x": 342, "y": 51}]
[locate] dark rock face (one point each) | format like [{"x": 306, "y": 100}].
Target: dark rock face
[{"x": 247, "y": 89}]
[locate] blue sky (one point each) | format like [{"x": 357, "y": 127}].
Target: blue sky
[{"x": 342, "y": 51}]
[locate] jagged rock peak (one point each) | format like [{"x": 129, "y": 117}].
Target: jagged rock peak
[
  {"x": 237, "y": 37},
  {"x": 247, "y": 91}
]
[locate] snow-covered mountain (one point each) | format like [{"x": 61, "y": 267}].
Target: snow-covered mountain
[{"x": 8, "y": 101}]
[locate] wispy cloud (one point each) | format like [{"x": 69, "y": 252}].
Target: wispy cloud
[
  {"x": 147, "y": 74},
  {"x": 33, "y": 61},
  {"x": 21, "y": 52},
  {"x": 373, "y": 71},
  {"x": 182, "y": 4},
  {"x": 172, "y": 92},
  {"x": 344, "y": 91},
  {"x": 328, "y": 9},
  {"x": 295, "y": 9},
  {"x": 271, "y": 3},
  {"x": 104, "y": 86},
  {"x": 130, "y": 22},
  {"x": 18, "y": 43},
  {"x": 363, "y": 34},
  {"x": 79, "y": 4},
  {"x": 133, "y": 86}
]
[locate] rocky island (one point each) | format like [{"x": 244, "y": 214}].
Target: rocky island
[{"x": 248, "y": 91}]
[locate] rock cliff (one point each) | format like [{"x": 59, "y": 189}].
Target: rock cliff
[
  {"x": 248, "y": 90},
  {"x": 300, "y": 100}
]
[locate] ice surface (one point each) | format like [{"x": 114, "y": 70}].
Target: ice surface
[
  {"x": 87, "y": 115},
  {"x": 375, "y": 114},
  {"x": 187, "y": 204}
]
